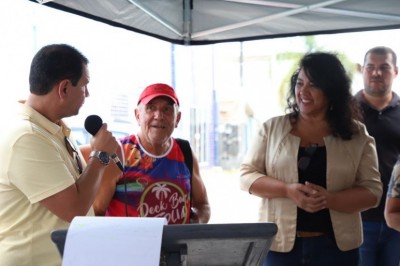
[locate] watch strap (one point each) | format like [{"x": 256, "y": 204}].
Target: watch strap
[{"x": 103, "y": 157}]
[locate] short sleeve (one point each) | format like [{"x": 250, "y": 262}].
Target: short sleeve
[{"x": 394, "y": 184}]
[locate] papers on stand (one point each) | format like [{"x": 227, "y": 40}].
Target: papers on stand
[{"x": 113, "y": 241}]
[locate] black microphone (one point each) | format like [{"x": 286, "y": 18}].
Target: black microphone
[{"x": 92, "y": 125}]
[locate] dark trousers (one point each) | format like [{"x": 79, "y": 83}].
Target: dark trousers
[
  {"x": 381, "y": 246},
  {"x": 313, "y": 251}
]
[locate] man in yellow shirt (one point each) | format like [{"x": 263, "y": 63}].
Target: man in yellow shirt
[{"x": 43, "y": 182}]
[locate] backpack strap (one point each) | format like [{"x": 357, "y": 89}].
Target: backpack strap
[{"x": 187, "y": 153}]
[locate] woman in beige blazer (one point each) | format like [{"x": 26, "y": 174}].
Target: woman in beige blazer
[{"x": 315, "y": 169}]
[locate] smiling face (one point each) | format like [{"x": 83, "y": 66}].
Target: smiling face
[
  {"x": 378, "y": 74},
  {"x": 311, "y": 100},
  {"x": 157, "y": 120}
]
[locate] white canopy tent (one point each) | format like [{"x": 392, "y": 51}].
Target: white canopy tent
[{"x": 196, "y": 22}]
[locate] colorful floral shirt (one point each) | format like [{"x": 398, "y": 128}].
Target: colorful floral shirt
[{"x": 152, "y": 186}]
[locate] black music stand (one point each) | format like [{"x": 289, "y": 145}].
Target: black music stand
[{"x": 208, "y": 244}]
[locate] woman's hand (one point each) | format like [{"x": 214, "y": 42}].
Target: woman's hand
[{"x": 309, "y": 197}]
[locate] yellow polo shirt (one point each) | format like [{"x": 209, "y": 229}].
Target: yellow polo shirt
[{"x": 34, "y": 165}]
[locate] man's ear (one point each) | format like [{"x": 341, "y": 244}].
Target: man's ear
[
  {"x": 63, "y": 88},
  {"x": 359, "y": 68},
  {"x": 137, "y": 115},
  {"x": 178, "y": 118}
]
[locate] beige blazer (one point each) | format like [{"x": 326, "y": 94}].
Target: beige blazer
[{"x": 349, "y": 163}]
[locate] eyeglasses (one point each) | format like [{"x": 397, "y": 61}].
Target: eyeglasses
[
  {"x": 71, "y": 149},
  {"x": 305, "y": 160}
]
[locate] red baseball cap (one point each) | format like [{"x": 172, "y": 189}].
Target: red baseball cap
[{"x": 156, "y": 90}]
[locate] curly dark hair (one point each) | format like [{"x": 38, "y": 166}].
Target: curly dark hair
[
  {"x": 53, "y": 63},
  {"x": 328, "y": 74}
]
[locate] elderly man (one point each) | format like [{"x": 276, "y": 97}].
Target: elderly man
[{"x": 161, "y": 176}]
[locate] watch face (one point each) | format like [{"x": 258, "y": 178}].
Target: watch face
[{"x": 104, "y": 158}]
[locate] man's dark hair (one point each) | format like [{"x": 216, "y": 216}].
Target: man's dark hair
[
  {"x": 382, "y": 50},
  {"x": 328, "y": 74},
  {"x": 53, "y": 63}
]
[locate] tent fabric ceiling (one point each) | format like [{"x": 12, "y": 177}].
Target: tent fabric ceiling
[{"x": 196, "y": 22}]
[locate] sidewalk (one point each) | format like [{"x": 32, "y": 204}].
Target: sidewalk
[{"x": 229, "y": 204}]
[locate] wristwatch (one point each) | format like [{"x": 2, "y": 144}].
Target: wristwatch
[{"x": 102, "y": 156}]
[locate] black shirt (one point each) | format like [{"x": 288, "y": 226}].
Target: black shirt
[
  {"x": 314, "y": 172},
  {"x": 384, "y": 126}
]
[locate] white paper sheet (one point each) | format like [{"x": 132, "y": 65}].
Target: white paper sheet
[{"x": 111, "y": 241}]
